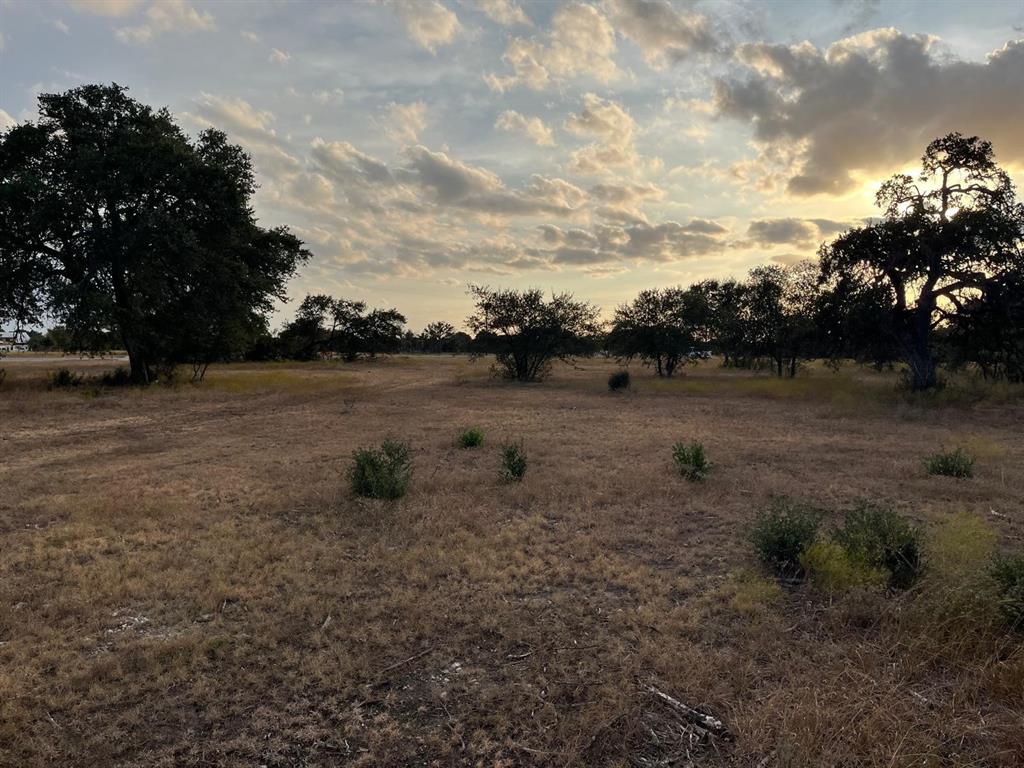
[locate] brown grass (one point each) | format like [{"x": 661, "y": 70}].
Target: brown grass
[{"x": 185, "y": 579}]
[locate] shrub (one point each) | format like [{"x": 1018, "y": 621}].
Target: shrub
[
  {"x": 782, "y": 534},
  {"x": 3, "y": 375},
  {"x": 690, "y": 460},
  {"x": 513, "y": 463},
  {"x": 956, "y": 463},
  {"x": 880, "y": 538},
  {"x": 618, "y": 381},
  {"x": 381, "y": 473},
  {"x": 830, "y": 567},
  {"x": 119, "y": 377},
  {"x": 65, "y": 379},
  {"x": 471, "y": 438},
  {"x": 1007, "y": 574}
]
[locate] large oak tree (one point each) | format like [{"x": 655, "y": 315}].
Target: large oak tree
[
  {"x": 113, "y": 219},
  {"x": 946, "y": 237}
]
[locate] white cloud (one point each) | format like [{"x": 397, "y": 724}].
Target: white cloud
[
  {"x": 790, "y": 231},
  {"x": 504, "y": 12},
  {"x": 277, "y": 56},
  {"x": 830, "y": 119},
  {"x": 531, "y": 127},
  {"x": 61, "y": 26},
  {"x": 405, "y": 122},
  {"x": 167, "y": 16},
  {"x": 252, "y": 37},
  {"x": 428, "y": 23},
  {"x": 612, "y": 127},
  {"x": 6, "y": 121},
  {"x": 581, "y": 42}
]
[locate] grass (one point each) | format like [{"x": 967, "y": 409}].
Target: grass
[
  {"x": 185, "y": 578},
  {"x": 471, "y": 438},
  {"x": 956, "y": 463}
]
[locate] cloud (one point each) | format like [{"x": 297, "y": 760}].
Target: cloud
[
  {"x": 61, "y": 26},
  {"x": 612, "y": 127},
  {"x": 249, "y": 35},
  {"x": 663, "y": 35},
  {"x": 504, "y": 12},
  {"x": 325, "y": 97},
  {"x": 791, "y": 231},
  {"x": 580, "y": 43},
  {"x": 6, "y": 121},
  {"x": 666, "y": 242},
  {"x": 277, "y": 56},
  {"x": 405, "y": 122},
  {"x": 428, "y": 23},
  {"x": 114, "y": 8},
  {"x": 831, "y": 119},
  {"x": 531, "y": 127},
  {"x": 166, "y": 16},
  {"x": 3, "y": 42}
]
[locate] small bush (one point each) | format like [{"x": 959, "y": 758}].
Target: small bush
[
  {"x": 119, "y": 377},
  {"x": 381, "y": 473},
  {"x": 65, "y": 378},
  {"x": 3, "y": 375},
  {"x": 513, "y": 463},
  {"x": 471, "y": 438},
  {"x": 955, "y": 463},
  {"x": 880, "y": 538},
  {"x": 618, "y": 381},
  {"x": 782, "y": 534},
  {"x": 1007, "y": 575},
  {"x": 691, "y": 460},
  {"x": 830, "y": 567}
]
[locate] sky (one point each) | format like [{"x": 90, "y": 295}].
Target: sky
[{"x": 601, "y": 147}]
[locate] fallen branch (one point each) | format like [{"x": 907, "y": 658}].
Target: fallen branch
[
  {"x": 402, "y": 663},
  {"x": 709, "y": 723}
]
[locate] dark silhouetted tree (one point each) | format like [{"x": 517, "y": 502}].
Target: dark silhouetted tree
[
  {"x": 437, "y": 337},
  {"x": 526, "y": 332},
  {"x": 326, "y": 326},
  {"x": 661, "y": 327},
  {"x": 113, "y": 219},
  {"x": 944, "y": 238}
]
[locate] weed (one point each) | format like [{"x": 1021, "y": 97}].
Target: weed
[
  {"x": 471, "y": 438},
  {"x": 782, "y": 533},
  {"x": 690, "y": 460},
  {"x": 880, "y": 538},
  {"x": 513, "y": 463},
  {"x": 956, "y": 463},
  {"x": 618, "y": 381},
  {"x": 1007, "y": 574},
  {"x": 381, "y": 473}
]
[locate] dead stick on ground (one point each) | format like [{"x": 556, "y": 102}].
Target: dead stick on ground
[
  {"x": 712, "y": 724},
  {"x": 402, "y": 663}
]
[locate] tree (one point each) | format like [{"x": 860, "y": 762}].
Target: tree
[
  {"x": 944, "y": 239},
  {"x": 113, "y": 219},
  {"x": 780, "y": 317},
  {"x": 325, "y": 326},
  {"x": 660, "y": 326},
  {"x": 989, "y": 331},
  {"x": 526, "y": 333},
  {"x": 437, "y": 337}
]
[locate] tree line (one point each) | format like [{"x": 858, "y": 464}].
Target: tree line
[{"x": 125, "y": 232}]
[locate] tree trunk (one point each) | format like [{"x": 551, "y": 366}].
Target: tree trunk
[{"x": 917, "y": 346}]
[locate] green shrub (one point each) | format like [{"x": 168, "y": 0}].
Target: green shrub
[
  {"x": 830, "y": 567},
  {"x": 65, "y": 378},
  {"x": 119, "y": 377},
  {"x": 782, "y": 534},
  {"x": 471, "y": 438},
  {"x": 691, "y": 460},
  {"x": 618, "y": 381},
  {"x": 881, "y": 538},
  {"x": 956, "y": 463},
  {"x": 513, "y": 463},
  {"x": 381, "y": 473},
  {"x": 1007, "y": 574}
]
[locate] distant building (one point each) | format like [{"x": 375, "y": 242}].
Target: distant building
[{"x": 10, "y": 343}]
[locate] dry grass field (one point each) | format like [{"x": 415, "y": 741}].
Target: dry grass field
[{"x": 187, "y": 580}]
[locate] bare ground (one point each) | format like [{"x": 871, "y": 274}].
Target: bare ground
[{"x": 186, "y": 580}]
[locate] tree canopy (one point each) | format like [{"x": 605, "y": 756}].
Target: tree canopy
[
  {"x": 326, "y": 326},
  {"x": 527, "y": 332},
  {"x": 114, "y": 220},
  {"x": 945, "y": 239}
]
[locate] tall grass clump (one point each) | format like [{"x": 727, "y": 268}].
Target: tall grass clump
[
  {"x": 782, "y": 534},
  {"x": 119, "y": 377},
  {"x": 471, "y": 438},
  {"x": 381, "y": 473},
  {"x": 1007, "y": 575},
  {"x": 65, "y": 378},
  {"x": 691, "y": 461},
  {"x": 877, "y": 537},
  {"x": 513, "y": 463},
  {"x": 955, "y": 463},
  {"x": 618, "y": 381}
]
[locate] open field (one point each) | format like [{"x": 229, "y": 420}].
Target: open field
[{"x": 186, "y": 579}]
